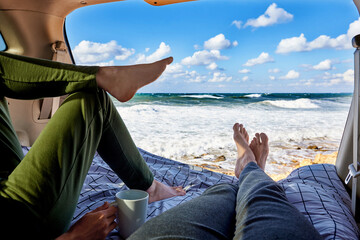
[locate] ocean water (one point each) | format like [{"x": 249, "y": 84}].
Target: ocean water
[{"x": 197, "y": 128}]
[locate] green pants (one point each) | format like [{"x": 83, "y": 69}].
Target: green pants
[{"x": 46, "y": 183}]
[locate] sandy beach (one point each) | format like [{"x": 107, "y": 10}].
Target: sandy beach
[{"x": 284, "y": 168}]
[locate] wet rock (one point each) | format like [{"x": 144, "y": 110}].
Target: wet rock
[
  {"x": 216, "y": 168},
  {"x": 313, "y": 147},
  {"x": 221, "y": 158},
  {"x": 208, "y": 166},
  {"x": 201, "y": 156}
]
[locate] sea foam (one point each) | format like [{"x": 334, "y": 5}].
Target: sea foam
[
  {"x": 255, "y": 95},
  {"x": 201, "y": 96},
  {"x": 298, "y": 103}
]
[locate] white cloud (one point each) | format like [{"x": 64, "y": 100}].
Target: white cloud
[
  {"x": 237, "y": 23},
  {"x": 176, "y": 70},
  {"x": 304, "y": 82},
  {"x": 263, "y": 58},
  {"x": 273, "y": 15},
  {"x": 244, "y": 71},
  {"x": 204, "y": 57},
  {"x": 292, "y": 74},
  {"x": 272, "y": 77},
  {"x": 332, "y": 82},
  {"x": 197, "y": 47},
  {"x": 348, "y": 76},
  {"x": 324, "y": 65},
  {"x": 332, "y": 79},
  {"x": 91, "y": 52},
  {"x": 211, "y": 53},
  {"x": 218, "y": 42},
  {"x": 212, "y": 66},
  {"x": 245, "y": 78},
  {"x": 103, "y": 64},
  {"x": 294, "y": 44},
  {"x": 220, "y": 77},
  {"x": 274, "y": 70},
  {"x": 301, "y": 44},
  {"x": 161, "y": 52},
  {"x": 194, "y": 77},
  {"x": 308, "y": 82}
]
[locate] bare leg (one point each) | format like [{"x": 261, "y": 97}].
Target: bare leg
[
  {"x": 158, "y": 191},
  {"x": 260, "y": 147},
  {"x": 123, "y": 81},
  {"x": 245, "y": 155},
  {"x": 262, "y": 208}
]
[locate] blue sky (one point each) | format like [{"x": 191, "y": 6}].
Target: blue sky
[{"x": 227, "y": 46}]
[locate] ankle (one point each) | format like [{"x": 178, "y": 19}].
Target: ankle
[
  {"x": 151, "y": 190},
  {"x": 101, "y": 77},
  {"x": 243, "y": 162}
]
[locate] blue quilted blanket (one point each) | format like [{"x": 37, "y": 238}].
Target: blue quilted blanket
[{"x": 314, "y": 190}]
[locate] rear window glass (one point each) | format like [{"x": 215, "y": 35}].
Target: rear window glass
[{"x": 2, "y": 43}]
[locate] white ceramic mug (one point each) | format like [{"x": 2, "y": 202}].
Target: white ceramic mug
[{"x": 132, "y": 209}]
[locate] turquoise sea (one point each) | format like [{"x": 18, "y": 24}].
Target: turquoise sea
[{"x": 197, "y": 128}]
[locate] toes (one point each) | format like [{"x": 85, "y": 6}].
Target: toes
[
  {"x": 247, "y": 137},
  {"x": 239, "y": 128},
  {"x": 256, "y": 139},
  {"x": 167, "y": 61},
  {"x": 264, "y": 138},
  {"x": 244, "y": 133},
  {"x": 179, "y": 190},
  {"x": 170, "y": 60},
  {"x": 252, "y": 144},
  {"x": 236, "y": 127}
]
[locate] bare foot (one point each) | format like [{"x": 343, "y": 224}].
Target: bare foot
[
  {"x": 158, "y": 191},
  {"x": 123, "y": 81},
  {"x": 245, "y": 155},
  {"x": 260, "y": 147}
]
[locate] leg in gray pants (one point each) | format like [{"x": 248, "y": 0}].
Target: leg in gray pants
[{"x": 256, "y": 209}]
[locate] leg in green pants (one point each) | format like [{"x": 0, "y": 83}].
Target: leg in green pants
[
  {"x": 49, "y": 178},
  {"x": 10, "y": 149}
]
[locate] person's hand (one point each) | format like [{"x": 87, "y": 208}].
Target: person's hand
[{"x": 96, "y": 224}]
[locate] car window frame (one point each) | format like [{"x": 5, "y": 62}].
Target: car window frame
[{"x": 3, "y": 45}]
